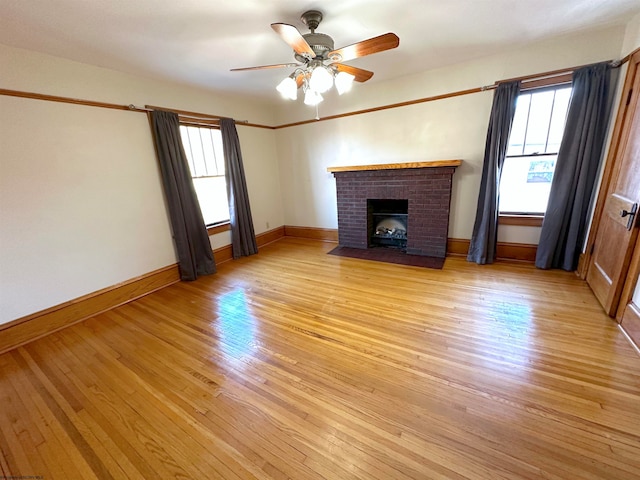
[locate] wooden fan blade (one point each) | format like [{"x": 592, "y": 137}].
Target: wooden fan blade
[
  {"x": 366, "y": 47},
  {"x": 361, "y": 74},
  {"x": 263, "y": 67},
  {"x": 294, "y": 39}
]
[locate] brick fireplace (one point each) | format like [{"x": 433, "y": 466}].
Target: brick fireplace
[{"x": 425, "y": 189}]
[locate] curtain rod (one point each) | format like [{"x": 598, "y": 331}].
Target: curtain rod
[
  {"x": 185, "y": 113},
  {"x": 202, "y": 116},
  {"x": 552, "y": 73}
]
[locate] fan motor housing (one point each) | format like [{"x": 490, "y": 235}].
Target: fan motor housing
[{"x": 320, "y": 43}]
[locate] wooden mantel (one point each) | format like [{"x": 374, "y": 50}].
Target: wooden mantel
[{"x": 395, "y": 166}]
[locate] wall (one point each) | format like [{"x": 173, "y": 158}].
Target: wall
[
  {"x": 631, "y": 35},
  {"x": 81, "y": 205},
  {"x": 453, "y": 128}
]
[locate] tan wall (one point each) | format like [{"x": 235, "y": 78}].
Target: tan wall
[
  {"x": 81, "y": 204},
  {"x": 631, "y": 36}
]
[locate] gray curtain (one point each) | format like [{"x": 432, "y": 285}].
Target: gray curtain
[
  {"x": 565, "y": 221},
  {"x": 243, "y": 238},
  {"x": 482, "y": 248},
  {"x": 195, "y": 256}
]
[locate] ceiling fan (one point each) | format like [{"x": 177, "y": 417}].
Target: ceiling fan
[{"x": 319, "y": 63}]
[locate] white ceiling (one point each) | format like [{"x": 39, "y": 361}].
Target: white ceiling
[{"x": 198, "y": 41}]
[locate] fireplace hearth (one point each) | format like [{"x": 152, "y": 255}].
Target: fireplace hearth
[{"x": 404, "y": 206}]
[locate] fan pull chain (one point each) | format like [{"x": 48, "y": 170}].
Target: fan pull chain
[{"x": 317, "y": 114}]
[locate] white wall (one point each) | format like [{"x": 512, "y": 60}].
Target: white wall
[
  {"x": 80, "y": 208},
  {"x": 445, "y": 129},
  {"x": 631, "y": 35},
  {"x": 81, "y": 205}
]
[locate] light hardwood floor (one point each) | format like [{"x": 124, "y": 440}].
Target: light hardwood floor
[{"x": 297, "y": 364}]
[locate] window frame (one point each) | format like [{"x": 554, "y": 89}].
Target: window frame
[
  {"x": 223, "y": 225},
  {"x": 525, "y": 219}
]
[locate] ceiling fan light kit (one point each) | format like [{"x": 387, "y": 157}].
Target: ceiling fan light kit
[
  {"x": 344, "y": 82},
  {"x": 312, "y": 98},
  {"x": 288, "y": 88},
  {"x": 321, "y": 80},
  {"x": 319, "y": 66}
]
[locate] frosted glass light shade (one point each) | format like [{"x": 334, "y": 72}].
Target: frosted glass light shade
[
  {"x": 344, "y": 81},
  {"x": 288, "y": 88},
  {"x": 311, "y": 97},
  {"x": 321, "y": 80}
]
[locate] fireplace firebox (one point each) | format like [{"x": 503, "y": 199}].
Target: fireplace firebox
[{"x": 387, "y": 223}]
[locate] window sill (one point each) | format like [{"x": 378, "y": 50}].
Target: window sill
[
  {"x": 219, "y": 228},
  {"x": 521, "y": 220}
]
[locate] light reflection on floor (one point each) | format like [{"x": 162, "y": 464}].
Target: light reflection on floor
[
  {"x": 236, "y": 325},
  {"x": 511, "y": 324}
]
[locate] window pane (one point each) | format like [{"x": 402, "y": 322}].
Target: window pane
[
  {"x": 216, "y": 136},
  {"x": 186, "y": 144},
  {"x": 558, "y": 119},
  {"x": 203, "y": 147},
  {"x": 536, "y": 132},
  {"x": 519, "y": 125},
  {"x": 525, "y": 184},
  {"x": 196, "y": 151},
  {"x": 209, "y": 157},
  {"x": 538, "y": 125},
  {"x": 212, "y": 196}
]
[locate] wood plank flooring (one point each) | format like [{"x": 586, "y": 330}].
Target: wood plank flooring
[{"x": 294, "y": 364}]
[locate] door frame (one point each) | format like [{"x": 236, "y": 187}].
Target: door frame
[{"x": 612, "y": 167}]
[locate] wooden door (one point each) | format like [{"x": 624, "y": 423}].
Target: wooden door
[
  {"x": 618, "y": 226},
  {"x": 629, "y": 310}
]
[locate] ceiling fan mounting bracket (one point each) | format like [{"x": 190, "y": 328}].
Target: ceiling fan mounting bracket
[{"x": 311, "y": 19}]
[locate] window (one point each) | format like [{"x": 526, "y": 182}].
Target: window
[
  {"x": 535, "y": 138},
  {"x": 203, "y": 147}
]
